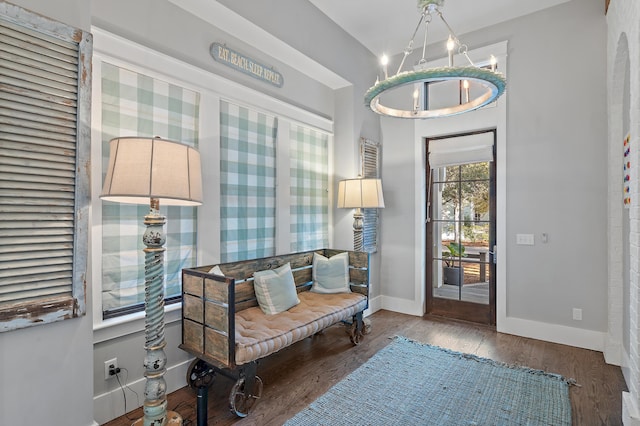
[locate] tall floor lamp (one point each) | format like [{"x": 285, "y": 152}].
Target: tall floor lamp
[
  {"x": 358, "y": 194},
  {"x": 150, "y": 171}
]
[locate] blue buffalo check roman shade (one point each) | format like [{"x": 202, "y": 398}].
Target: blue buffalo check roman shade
[
  {"x": 134, "y": 104},
  {"x": 309, "y": 190},
  {"x": 247, "y": 183}
]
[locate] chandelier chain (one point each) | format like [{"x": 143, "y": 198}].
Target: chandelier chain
[
  {"x": 462, "y": 48},
  {"x": 427, "y": 21},
  {"x": 409, "y": 49}
]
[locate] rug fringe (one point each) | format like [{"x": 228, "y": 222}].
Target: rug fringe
[{"x": 473, "y": 357}]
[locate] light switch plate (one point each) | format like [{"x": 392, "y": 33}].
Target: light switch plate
[{"x": 525, "y": 239}]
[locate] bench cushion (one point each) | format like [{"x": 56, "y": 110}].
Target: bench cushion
[{"x": 258, "y": 335}]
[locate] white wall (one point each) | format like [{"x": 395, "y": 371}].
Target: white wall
[
  {"x": 623, "y": 69},
  {"x": 556, "y": 180},
  {"x": 45, "y": 370}
]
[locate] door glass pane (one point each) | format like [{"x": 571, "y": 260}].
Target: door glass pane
[
  {"x": 449, "y": 199},
  {"x": 461, "y": 220},
  {"x": 475, "y": 171}
]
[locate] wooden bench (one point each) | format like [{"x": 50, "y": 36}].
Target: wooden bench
[{"x": 225, "y": 329}]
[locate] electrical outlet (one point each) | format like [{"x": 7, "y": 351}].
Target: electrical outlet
[
  {"x": 577, "y": 314},
  {"x": 108, "y": 365}
]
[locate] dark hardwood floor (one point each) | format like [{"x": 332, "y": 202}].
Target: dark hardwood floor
[{"x": 297, "y": 375}]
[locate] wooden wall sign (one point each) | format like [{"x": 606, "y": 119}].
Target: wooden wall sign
[{"x": 245, "y": 64}]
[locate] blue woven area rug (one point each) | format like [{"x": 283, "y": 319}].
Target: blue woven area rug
[{"x": 410, "y": 383}]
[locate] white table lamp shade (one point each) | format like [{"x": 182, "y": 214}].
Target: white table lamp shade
[
  {"x": 144, "y": 168},
  {"x": 360, "y": 193}
]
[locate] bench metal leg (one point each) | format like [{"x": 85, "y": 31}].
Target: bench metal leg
[
  {"x": 203, "y": 400},
  {"x": 200, "y": 376}
]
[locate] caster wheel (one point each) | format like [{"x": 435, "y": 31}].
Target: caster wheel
[
  {"x": 354, "y": 334},
  {"x": 200, "y": 374},
  {"x": 241, "y": 402}
]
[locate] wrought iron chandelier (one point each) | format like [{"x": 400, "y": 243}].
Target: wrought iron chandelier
[{"x": 488, "y": 84}]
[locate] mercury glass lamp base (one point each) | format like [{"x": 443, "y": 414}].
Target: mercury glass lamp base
[{"x": 173, "y": 419}]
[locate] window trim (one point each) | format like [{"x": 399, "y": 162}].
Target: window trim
[{"x": 47, "y": 309}]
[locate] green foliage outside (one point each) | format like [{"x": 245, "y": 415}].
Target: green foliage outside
[
  {"x": 467, "y": 188},
  {"x": 456, "y": 251}
]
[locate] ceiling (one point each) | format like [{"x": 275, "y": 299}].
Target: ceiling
[
  {"x": 386, "y": 26},
  {"x": 372, "y": 22}
]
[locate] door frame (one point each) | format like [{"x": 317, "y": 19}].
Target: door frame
[
  {"x": 491, "y": 116},
  {"x": 484, "y": 314}
]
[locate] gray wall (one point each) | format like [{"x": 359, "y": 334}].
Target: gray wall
[
  {"x": 45, "y": 371},
  {"x": 169, "y": 29},
  {"x": 556, "y": 172}
]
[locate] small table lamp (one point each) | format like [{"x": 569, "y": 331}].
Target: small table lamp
[
  {"x": 150, "y": 171},
  {"x": 358, "y": 194}
]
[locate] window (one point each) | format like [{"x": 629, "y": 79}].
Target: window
[
  {"x": 247, "y": 210},
  {"x": 447, "y": 93},
  {"x": 309, "y": 152},
  {"x": 134, "y": 104},
  {"x": 44, "y": 138},
  {"x": 370, "y": 163},
  {"x": 247, "y": 183},
  {"x": 248, "y": 158}
]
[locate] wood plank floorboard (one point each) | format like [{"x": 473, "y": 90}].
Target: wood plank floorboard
[{"x": 297, "y": 375}]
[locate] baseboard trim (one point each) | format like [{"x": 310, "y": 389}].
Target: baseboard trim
[
  {"x": 403, "y": 306},
  {"x": 626, "y": 370},
  {"x": 375, "y": 304},
  {"x": 578, "y": 337},
  {"x": 613, "y": 352},
  {"x": 630, "y": 412},
  {"x": 110, "y": 405}
]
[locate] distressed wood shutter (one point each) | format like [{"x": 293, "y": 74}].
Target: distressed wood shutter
[
  {"x": 370, "y": 162},
  {"x": 44, "y": 168}
]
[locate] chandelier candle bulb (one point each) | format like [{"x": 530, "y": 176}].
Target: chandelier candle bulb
[
  {"x": 493, "y": 61},
  {"x": 416, "y": 99},
  {"x": 450, "y": 45},
  {"x": 384, "y": 61},
  {"x": 465, "y": 85}
]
